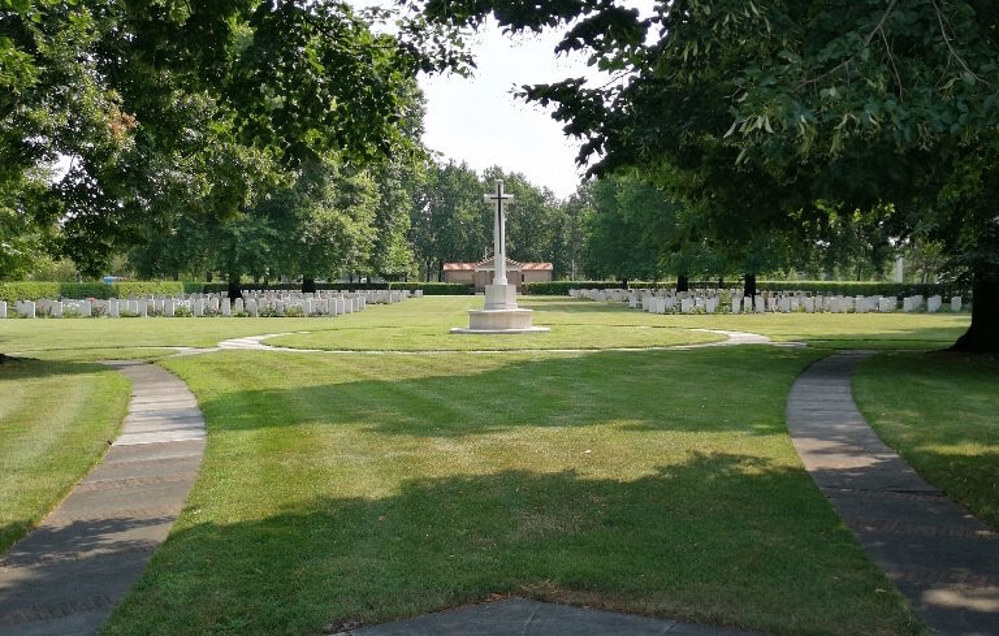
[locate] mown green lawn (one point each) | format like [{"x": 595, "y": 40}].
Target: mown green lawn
[
  {"x": 56, "y": 421},
  {"x": 941, "y": 411},
  {"x": 582, "y": 324},
  {"x": 369, "y": 488}
]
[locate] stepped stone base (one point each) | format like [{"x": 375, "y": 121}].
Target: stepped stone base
[{"x": 500, "y": 321}]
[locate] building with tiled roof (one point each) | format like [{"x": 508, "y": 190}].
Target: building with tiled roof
[{"x": 481, "y": 274}]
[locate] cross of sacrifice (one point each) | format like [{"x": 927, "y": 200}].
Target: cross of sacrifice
[{"x": 499, "y": 232}]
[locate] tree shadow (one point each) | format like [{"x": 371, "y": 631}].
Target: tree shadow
[
  {"x": 18, "y": 368},
  {"x": 700, "y": 390},
  {"x": 723, "y": 539}
]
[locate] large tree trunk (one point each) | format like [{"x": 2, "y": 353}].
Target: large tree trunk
[
  {"x": 308, "y": 284},
  {"x": 682, "y": 283},
  {"x": 749, "y": 288},
  {"x": 234, "y": 288},
  {"x": 983, "y": 334}
]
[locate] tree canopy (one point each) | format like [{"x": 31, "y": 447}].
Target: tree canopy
[{"x": 788, "y": 117}]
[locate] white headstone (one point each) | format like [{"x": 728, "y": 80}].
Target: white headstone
[
  {"x": 142, "y": 308},
  {"x": 809, "y": 304},
  {"x": 225, "y": 307},
  {"x": 955, "y": 303},
  {"x": 113, "y": 309},
  {"x": 736, "y": 304},
  {"x": 760, "y": 304},
  {"x": 168, "y": 307},
  {"x": 56, "y": 309},
  {"x": 198, "y": 308},
  {"x": 3, "y": 308},
  {"x": 933, "y": 304},
  {"x": 251, "y": 307},
  {"x": 86, "y": 309},
  {"x": 238, "y": 306}
]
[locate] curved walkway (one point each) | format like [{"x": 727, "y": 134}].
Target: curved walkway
[
  {"x": 256, "y": 343},
  {"x": 66, "y": 576},
  {"x": 943, "y": 559}
]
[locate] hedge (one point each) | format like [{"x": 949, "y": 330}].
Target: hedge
[
  {"x": 436, "y": 289},
  {"x": 847, "y": 288},
  {"x": 429, "y": 289},
  {"x": 31, "y": 290}
]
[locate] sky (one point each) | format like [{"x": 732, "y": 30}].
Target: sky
[{"x": 477, "y": 120}]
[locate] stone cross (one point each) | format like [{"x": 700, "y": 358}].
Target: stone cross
[{"x": 499, "y": 232}]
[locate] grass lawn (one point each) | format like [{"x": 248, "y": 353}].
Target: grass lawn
[
  {"x": 423, "y": 325},
  {"x": 118, "y": 338},
  {"x": 370, "y": 488},
  {"x": 55, "y": 422},
  {"x": 941, "y": 412}
]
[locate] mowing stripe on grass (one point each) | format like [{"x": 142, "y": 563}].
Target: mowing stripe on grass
[{"x": 66, "y": 576}]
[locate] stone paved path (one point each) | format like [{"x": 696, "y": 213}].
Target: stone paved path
[
  {"x": 944, "y": 560},
  {"x": 520, "y": 617},
  {"x": 65, "y": 577}
]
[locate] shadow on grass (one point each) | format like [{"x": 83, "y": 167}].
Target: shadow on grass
[
  {"x": 645, "y": 391},
  {"x": 26, "y": 368},
  {"x": 722, "y": 539}
]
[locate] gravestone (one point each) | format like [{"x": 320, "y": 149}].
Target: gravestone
[
  {"x": 86, "y": 309},
  {"x": 736, "y": 304},
  {"x": 56, "y": 309},
  {"x": 933, "y": 304},
  {"x": 747, "y": 304},
  {"x": 760, "y": 304},
  {"x": 238, "y": 306},
  {"x": 251, "y": 307},
  {"x": 168, "y": 307},
  {"x": 225, "y": 307},
  {"x": 3, "y": 308},
  {"x": 198, "y": 308},
  {"x": 809, "y": 304},
  {"x": 955, "y": 303},
  {"x": 113, "y": 309},
  {"x": 686, "y": 305}
]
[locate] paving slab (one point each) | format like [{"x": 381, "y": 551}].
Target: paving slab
[
  {"x": 943, "y": 559},
  {"x": 522, "y": 617},
  {"x": 66, "y": 576}
]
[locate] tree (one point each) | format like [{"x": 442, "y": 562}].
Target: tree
[
  {"x": 534, "y": 220},
  {"x": 447, "y": 219},
  {"x": 776, "y": 112},
  {"x": 200, "y": 108}
]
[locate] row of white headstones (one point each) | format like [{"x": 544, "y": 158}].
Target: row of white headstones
[
  {"x": 709, "y": 303},
  {"x": 324, "y": 303}
]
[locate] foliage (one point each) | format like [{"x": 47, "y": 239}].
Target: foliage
[
  {"x": 779, "y": 119},
  {"x": 172, "y": 108},
  {"x": 12, "y": 291}
]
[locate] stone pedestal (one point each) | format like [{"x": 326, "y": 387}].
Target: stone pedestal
[{"x": 500, "y": 314}]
